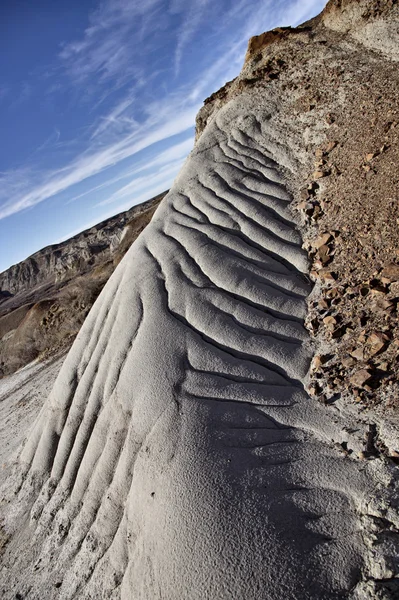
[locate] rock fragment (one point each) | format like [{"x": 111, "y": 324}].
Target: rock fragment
[
  {"x": 322, "y": 240},
  {"x": 358, "y": 354},
  {"x": 361, "y": 377},
  {"x": 391, "y": 272},
  {"x": 376, "y": 342}
]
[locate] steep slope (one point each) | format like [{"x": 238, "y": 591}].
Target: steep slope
[
  {"x": 335, "y": 81},
  {"x": 178, "y": 454}
]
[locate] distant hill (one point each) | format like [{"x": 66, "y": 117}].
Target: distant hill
[{"x": 45, "y": 298}]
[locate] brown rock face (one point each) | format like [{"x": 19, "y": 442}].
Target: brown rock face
[{"x": 259, "y": 42}]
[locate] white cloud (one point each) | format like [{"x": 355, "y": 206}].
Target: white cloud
[
  {"x": 114, "y": 117},
  {"x": 91, "y": 163},
  {"x": 162, "y": 179},
  {"x": 176, "y": 152},
  {"x": 119, "y": 31},
  {"x": 190, "y": 25},
  {"x": 107, "y": 47}
]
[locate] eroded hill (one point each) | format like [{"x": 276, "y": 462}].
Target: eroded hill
[
  {"x": 179, "y": 454},
  {"x": 45, "y": 299}
]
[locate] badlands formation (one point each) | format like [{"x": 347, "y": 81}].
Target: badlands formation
[
  {"x": 45, "y": 298},
  {"x": 178, "y": 455}
]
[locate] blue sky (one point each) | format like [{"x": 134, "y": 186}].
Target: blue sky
[{"x": 98, "y": 102}]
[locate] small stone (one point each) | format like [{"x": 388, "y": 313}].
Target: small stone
[
  {"x": 324, "y": 254},
  {"x": 304, "y": 194},
  {"x": 377, "y": 292},
  {"x": 327, "y": 276},
  {"x": 322, "y": 240},
  {"x": 376, "y": 342},
  {"x": 317, "y": 212},
  {"x": 330, "y": 146},
  {"x": 319, "y": 153},
  {"x": 317, "y": 264},
  {"x": 359, "y": 378},
  {"x": 383, "y": 303},
  {"x": 314, "y": 208},
  {"x": 358, "y": 354},
  {"x": 376, "y": 349},
  {"x": 391, "y": 272},
  {"x": 330, "y": 322},
  {"x": 361, "y": 456},
  {"x": 348, "y": 362},
  {"x": 332, "y": 293},
  {"x": 319, "y": 360},
  {"x": 394, "y": 288},
  {"x": 320, "y": 174},
  {"x": 316, "y": 363},
  {"x": 304, "y": 206},
  {"x": 319, "y": 163},
  {"x": 394, "y": 454},
  {"x": 370, "y": 156},
  {"x": 323, "y": 304}
]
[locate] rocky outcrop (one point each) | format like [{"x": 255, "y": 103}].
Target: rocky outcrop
[
  {"x": 179, "y": 454},
  {"x": 73, "y": 257}
]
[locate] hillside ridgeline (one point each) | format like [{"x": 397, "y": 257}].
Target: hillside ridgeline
[{"x": 45, "y": 298}]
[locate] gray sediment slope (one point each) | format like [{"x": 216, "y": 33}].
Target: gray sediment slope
[{"x": 178, "y": 455}]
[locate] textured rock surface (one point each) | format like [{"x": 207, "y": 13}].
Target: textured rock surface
[{"x": 178, "y": 455}]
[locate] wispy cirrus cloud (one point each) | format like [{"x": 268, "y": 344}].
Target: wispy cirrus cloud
[
  {"x": 118, "y": 31},
  {"x": 89, "y": 163},
  {"x": 190, "y": 25},
  {"x": 115, "y": 118},
  {"x": 168, "y": 164},
  {"x": 173, "y": 155}
]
